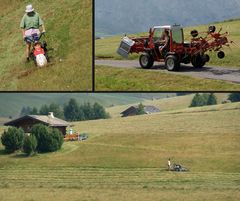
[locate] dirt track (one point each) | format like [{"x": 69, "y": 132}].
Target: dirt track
[{"x": 210, "y": 72}]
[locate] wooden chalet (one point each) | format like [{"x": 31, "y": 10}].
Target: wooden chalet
[
  {"x": 28, "y": 121},
  {"x": 132, "y": 111}
]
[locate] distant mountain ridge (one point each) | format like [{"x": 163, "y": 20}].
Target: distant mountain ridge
[
  {"x": 131, "y": 16},
  {"x": 12, "y": 103}
]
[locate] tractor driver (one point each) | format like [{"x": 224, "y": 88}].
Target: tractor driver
[
  {"x": 164, "y": 42},
  {"x": 30, "y": 24}
]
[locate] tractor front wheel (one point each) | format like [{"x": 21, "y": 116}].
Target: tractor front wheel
[
  {"x": 171, "y": 63},
  {"x": 146, "y": 61},
  {"x": 198, "y": 61}
]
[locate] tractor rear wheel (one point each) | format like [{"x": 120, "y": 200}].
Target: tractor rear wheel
[
  {"x": 198, "y": 61},
  {"x": 172, "y": 63},
  {"x": 146, "y": 61}
]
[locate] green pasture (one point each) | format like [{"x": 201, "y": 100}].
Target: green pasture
[
  {"x": 69, "y": 36},
  {"x": 125, "y": 159}
]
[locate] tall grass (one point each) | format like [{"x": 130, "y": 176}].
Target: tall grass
[{"x": 69, "y": 34}]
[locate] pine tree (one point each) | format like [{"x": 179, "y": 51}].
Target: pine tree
[
  {"x": 44, "y": 110},
  {"x": 234, "y": 97},
  {"x": 197, "y": 100},
  {"x": 34, "y": 111},
  {"x": 71, "y": 110},
  {"x": 56, "y": 109},
  {"x": 212, "y": 100}
]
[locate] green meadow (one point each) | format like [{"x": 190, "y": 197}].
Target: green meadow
[
  {"x": 69, "y": 36},
  {"x": 125, "y": 159}
]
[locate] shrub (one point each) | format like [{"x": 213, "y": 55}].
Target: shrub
[
  {"x": 12, "y": 139},
  {"x": 140, "y": 109},
  {"x": 30, "y": 144},
  {"x": 40, "y": 132},
  {"x": 48, "y": 140},
  {"x": 234, "y": 97}
]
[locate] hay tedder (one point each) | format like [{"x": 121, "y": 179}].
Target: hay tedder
[{"x": 178, "y": 51}]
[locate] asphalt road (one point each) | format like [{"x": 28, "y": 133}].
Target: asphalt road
[{"x": 209, "y": 72}]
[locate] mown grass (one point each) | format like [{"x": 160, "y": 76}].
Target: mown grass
[
  {"x": 106, "y": 48},
  {"x": 121, "y": 79},
  {"x": 125, "y": 159},
  {"x": 69, "y": 33}
]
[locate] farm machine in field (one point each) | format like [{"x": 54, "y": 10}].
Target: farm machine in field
[{"x": 178, "y": 51}]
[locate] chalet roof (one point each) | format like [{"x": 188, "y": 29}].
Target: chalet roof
[
  {"x": 41, "y": 118},
  {"x": 147, "y": 108},
  {"x": 151, "y": 109}
]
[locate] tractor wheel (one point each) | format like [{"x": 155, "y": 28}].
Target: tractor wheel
[
  {"x": 221, "y": 55},
  {"x": 146, "y": 61},
  {"x": 172, "y": 63},
  {"x": 198, "y": 61}
]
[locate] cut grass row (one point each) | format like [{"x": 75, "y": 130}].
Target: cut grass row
[
  {"x": 125, "y": 159},
  {"x": 121, "y": 79},
  {"x": 64, "y": 177}
]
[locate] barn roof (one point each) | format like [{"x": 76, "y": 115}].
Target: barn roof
[
  {"x": 147, "y": 108},
  {"x": 41, "y": 118},
  {"x": 151, "y": 109}
]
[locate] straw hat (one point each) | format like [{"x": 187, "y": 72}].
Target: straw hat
[{"x": 29, "y": 8}]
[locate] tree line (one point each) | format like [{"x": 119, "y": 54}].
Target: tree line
[
  {"x": 210, "y": 99},
  {"x": 70, "y": 111}
]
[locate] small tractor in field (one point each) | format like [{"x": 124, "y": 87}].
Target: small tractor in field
[
  {"x": 177, "y": 51},
  {"x": 178, "y": 168}
]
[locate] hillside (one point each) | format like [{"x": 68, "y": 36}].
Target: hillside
[
  {"x": 12, "y": 103},
  {"x": 129, "y": 16},
  {"x": 68, "y": 33},
  {"x": 125, "y": 159},
  {"x": 165, "y": 104}
]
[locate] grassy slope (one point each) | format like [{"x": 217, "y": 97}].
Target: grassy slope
[
  {"x": 122, "y": 79},
  {"x": 166, "y": 104},
  {"x": 69, "y": 27},
  {"x": 125, "y": 159},
  {"x": 106, "y": 48}
]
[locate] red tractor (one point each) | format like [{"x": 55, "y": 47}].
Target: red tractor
[{"x": 177, "y": 51}]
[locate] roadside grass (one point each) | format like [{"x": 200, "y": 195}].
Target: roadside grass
[
  {"x": 69, "y": 30},
  {"x": 121, "y": 79},
  {"x": 125, "y": 159},
  {"x": 107, "y": 47}
]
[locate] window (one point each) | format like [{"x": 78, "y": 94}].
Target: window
[
  {"x": 157, "y": 34},
  {"x": 177, "y": 35}
]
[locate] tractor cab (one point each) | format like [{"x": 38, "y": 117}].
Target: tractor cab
[{"x": 175, "y": 34}]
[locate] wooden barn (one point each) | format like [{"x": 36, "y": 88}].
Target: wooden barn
[
  {"x": 132, "y": 111},
  {"x": 28, "y": 121}
]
